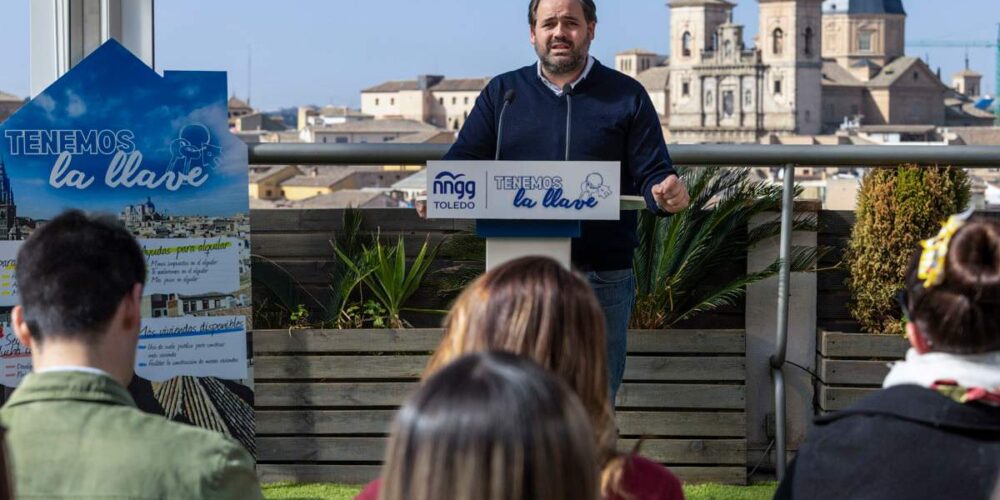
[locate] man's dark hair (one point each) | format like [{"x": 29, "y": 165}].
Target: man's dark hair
[
  {"x": 589, "y": 11},
  {"x": 73, "y": 272}
]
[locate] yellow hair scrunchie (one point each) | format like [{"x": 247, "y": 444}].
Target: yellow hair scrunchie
[{"x": 932, "y": 259}]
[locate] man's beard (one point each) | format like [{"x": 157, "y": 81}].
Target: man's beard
[{"x": 577, "y": 58}]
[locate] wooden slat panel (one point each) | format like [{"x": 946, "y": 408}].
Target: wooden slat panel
[
  {"x": 833, "y": 305},
  {"x": 687, "y": 341},
  {"x": 270, "y": 422},
  {"x": 340, "y": 367},
  {"x": 838, "y": 398},
  {"x": 411, "y": 366},
  {"x": 685, "y": 368},
  {"x": 690, "y": 451},
  {"x": 834, "y": 371},
  {"x": 364, "y": 449},
  {"x": 637, "y": 395},
  {"x": 630, "y": 423},
  {"x": 854, "y": 345},
  {"x": 361, "y": 474},
  {"x": 343, "y": 394},
  {"x": 704, "y": 424},
  {"x": 343, "y": 474},
  {"x": 320, "y": 449},
  {"x": 277, "y": 245},
  {"x": 426, "y": 340},
  {"x": 343, "y": 341},
  {"x": 632, "y": 395},
  {"x": 720, "y": 475},
  {"x": 281, "y": 220}
]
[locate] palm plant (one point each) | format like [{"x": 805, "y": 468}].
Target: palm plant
[
  {"x": 383, "y": 271},
  {"x": 677, "y": 255}
]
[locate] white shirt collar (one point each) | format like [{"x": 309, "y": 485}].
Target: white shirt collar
[
  {"x": 72, "y": 368},
  {"x": 555, "y": 88}
]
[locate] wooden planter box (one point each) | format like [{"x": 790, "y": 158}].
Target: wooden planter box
[
  {"x": 325, "y": 400},
  {"x": 852, "y": 365}
]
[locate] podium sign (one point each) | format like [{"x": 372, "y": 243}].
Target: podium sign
[{"x": 523, "y": 190}]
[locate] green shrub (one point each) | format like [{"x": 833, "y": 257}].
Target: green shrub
[{"x": 897, "y": 208}]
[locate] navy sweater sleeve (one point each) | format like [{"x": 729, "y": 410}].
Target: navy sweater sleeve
[
  {"x": 477, "y": 139},
  {"x": 648, "y": 157}
]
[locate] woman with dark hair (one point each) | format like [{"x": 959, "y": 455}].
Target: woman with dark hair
[
  {"x": 491, "y": 426},
  {"x": 933, "y": 431}
]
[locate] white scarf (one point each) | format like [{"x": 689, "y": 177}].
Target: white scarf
[{"x": 970, "y": 371}]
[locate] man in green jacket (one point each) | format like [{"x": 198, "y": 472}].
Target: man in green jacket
[{"x": 73, "y": 429}]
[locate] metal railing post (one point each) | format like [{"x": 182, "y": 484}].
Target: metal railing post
[{"x": 784, "y": 293}]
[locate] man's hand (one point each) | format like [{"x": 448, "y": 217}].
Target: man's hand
[{"x": 671, "y": 195}]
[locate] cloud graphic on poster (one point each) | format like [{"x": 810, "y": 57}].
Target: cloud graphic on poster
[{"x": 76, "y": 107}]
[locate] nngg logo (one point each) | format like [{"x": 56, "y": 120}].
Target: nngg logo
[{"x": 449, "y": 183}]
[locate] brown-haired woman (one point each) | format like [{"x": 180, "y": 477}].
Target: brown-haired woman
[
  {"x": 934, "y": 429},
  {"x": 536, "y": 308},
  {"x": 491, "y": 426}
]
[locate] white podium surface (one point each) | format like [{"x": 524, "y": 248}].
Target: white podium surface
[{"x": 500, "y": 250}]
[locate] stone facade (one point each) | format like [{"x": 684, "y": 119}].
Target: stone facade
[{"x": 431, "y": 99}]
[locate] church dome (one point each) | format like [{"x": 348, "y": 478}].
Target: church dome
[
  {"x": 863, "y": 7},
  {"x": 149, "y": 204}
]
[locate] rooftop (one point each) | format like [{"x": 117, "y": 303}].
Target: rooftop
[
  {"x": 5, "y": 97},
  {"x": 445, "y": 85},
  {"x": 655, "y": 78},
  {"x": 863, "y": 7},
  {"x": 325, "y": 176},
  {"x": 377, "y": 126}
]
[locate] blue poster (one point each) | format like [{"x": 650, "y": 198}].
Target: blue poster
[{"x": 114, "y": 136}]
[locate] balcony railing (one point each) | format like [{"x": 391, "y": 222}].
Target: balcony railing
[{"x": 787, "y": 157}]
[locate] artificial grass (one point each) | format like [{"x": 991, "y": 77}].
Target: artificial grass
[{"x": 329, "y": 491}]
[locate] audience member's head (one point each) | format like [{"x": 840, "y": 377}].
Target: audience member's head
[
  {"x": 491, "y": 426},
  {"x": 953, "y": 295},
  {"x": 79, "y": 280},
  {"x": 536, "y": 308}
]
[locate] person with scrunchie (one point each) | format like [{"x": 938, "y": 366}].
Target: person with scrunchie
[{"x": 933, "y": 431}]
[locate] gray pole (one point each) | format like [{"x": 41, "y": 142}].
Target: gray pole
[{"x": 781, "y": 344}]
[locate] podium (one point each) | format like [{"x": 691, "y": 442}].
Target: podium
[{"x": 527, "y": 207}]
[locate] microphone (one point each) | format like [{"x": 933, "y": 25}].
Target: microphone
[
  {"x": 568, "y": 91},
  {"x": 507, "y": 99}
]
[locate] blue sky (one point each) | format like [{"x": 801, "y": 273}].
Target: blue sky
[
  {"x": 326, "y": 51},
  {"x": 113, "y": 91}
]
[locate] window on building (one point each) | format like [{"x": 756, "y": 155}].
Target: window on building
[
  {"x": 376, "y": 101},
  {"x": 454, "y": 100},
  {"x": 441, "y": 101},
  {"x": 747, "y": 98},
  {"x": 778, "y": 41},
  {"x": 455, "y": 126},
  {"x": 709, "y": 99},
  {"x": 467, "y": 99},
  {"x": 715, "y": 41},
  {"x": 392, "y": 102},
  {"x": 685, "y": 89},
  {"x": 728, "y": 106},
  {"x": 465, "y": 116},
  {"x": 727, "y": 48},
  {"x": 324, "y": 139},
  {"x": 341, "y": 140},
  {"x": 865, "y": 41},
  {"x": 809, "y": 37},
  {"x": 686, "y": 44},
  {"x": 387, "y": 138},
  {"x": 777, "y": 86},
  {"x": 808, "y": 116},
  {"x": 267, "y": 193},
  {"x": 916, "y": 76}
]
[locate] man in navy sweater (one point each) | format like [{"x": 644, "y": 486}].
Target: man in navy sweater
[{"x": 613, "y": 119}]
